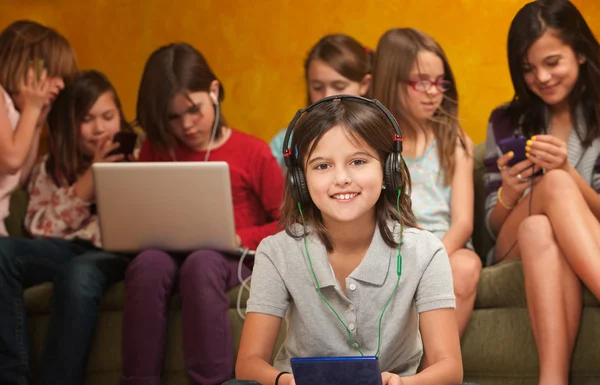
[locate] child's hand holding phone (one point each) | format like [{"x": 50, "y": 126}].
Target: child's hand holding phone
[
  {"x": 516, "y": 170},
  {"x": 547, "y": 151},
  {"x": 516, "y": 145},
  {"x": 104, "y": 152},
  {"x": 126, "y": 141},
  {"x": 108, "y": 150}
]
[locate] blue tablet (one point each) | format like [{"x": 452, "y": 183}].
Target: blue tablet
[{"x": 336, "y": 370}]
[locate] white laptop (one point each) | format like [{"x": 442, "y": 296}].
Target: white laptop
[{"x": 172, "y": 206}]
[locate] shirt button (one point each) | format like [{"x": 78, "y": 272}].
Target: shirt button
[
  {"x": 352, "y": 287},
  {"x": 351, "y": 326},
  {"x": 351, "y": 307}
]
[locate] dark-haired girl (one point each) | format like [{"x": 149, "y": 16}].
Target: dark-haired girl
[{"x": 550, "y": 222}]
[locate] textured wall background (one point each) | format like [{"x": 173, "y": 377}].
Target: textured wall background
[{"x": 257, "y": 47}]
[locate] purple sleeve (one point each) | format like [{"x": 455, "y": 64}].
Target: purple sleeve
[{"x": 499, "y": 127}]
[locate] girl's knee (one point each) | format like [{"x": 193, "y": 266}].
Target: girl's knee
[
  {"x": 151, "y": 267},
  {"x": 535, "y": 229},
  {"x": 557, "y": 184},
  {"x": 536, "y": 240},
  {"x": 80, "y": 280},
  {"x": 466, "y": 262},
  {"x": 204, "y": 261},
  {"x": 466, "y": 269},
  {"x": 207, "y": 269}
]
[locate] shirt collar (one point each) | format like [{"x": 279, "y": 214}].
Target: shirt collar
[{"x": 373, "y": 268}]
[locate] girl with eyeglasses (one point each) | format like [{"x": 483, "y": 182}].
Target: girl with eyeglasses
[{"x": 412, "y": 77}]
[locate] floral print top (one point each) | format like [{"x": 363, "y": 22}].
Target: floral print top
[{"x": 57, "y": 212}]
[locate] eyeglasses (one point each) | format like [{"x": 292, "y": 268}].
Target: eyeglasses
[{"x": 424, "y": 85}]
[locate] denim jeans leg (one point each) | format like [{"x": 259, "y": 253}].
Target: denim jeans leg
[
  {"x": 78, "y": 288},
  {"x": 24, "y": 263}
]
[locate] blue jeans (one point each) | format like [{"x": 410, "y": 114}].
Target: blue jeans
[{"x": 80, "y": 273}]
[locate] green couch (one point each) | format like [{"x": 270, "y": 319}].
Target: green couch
[{"x": 498, "y": 346}]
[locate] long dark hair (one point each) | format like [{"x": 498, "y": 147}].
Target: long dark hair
[
  {"x": 66, "y": 162},
  {"x": 366, "y": 125},
  {"x": 529, "y": 24},
  {"x": 170, "y": 70}
]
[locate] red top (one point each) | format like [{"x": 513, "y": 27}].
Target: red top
[{"x": 256, "y": 182}]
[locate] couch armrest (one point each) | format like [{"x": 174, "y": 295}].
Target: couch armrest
[{"x": 15, "y": 223}]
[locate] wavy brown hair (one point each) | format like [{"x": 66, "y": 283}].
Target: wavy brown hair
[
  {"x": 397, "y": 52},
  {"x": 367, "y": 126},
  {"x": 24, "y": 43}
]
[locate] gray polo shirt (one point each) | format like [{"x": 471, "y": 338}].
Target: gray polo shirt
[{"x": 282, "y": 285}]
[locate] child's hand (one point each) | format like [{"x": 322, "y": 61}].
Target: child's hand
[
  {"x": 388, "y": 378},
  {"x": 34, "y": 94},
  {"x": 547, "y": 151},
  {"x": 103, "y": 148},
  {"x": 515, "y": 179},
  {"x": 85, "y": 184}
]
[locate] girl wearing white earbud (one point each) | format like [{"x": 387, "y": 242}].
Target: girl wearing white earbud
[{"x": 178, "y": 108}]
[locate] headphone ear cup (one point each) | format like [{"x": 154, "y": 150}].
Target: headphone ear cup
[
  {"x": 392, "y": 173},
  {"x": 297, "y": 183}
]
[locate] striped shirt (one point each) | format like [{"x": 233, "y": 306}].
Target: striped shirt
[{"x": 585, "y": 160}]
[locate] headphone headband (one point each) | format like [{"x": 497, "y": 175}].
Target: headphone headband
[{"x": 287, "y": 151}]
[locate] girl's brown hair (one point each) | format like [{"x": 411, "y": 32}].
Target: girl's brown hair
[
  {"x": 367, "y": 126},
  {"x": 344, "y": 54},
  {"x": 397, "y": 52},
  {"x": 172, "y": 69},
  {"x": 24, "y": 44},
  {"x": 66, "y": 162}
]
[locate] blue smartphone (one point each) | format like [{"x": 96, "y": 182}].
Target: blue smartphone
[
  {"x": 336, "y": 370},
  {"x": 515, "y": 144}
]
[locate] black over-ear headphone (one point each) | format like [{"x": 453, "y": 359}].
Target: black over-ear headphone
[{"x": 392, "y": 169}]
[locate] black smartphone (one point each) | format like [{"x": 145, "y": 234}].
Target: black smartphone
[{"x": 127, "y": 141}]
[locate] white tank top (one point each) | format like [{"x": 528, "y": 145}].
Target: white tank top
[{"x": 8, "y": 183}]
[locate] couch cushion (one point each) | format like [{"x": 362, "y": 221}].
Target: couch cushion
[
  {"x": 502, "y": 286},
  {"x": 38, "y": 298}
]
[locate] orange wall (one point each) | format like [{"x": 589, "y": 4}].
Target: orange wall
[{"x": 257, "y": 48}]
